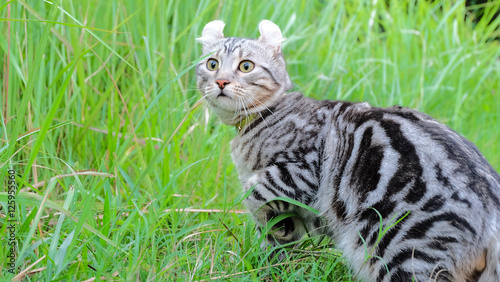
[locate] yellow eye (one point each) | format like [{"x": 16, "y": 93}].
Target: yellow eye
[
  {"x": 212, "y": 64},
  {"x": 246, "y": 66}
]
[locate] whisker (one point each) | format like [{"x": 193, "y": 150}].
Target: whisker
[
  {"x": 242, "y": 99},
  {"x": 255, "y": 105},
  {"x": 182, "y": 104},
  {"x": 267, "y": 108}
]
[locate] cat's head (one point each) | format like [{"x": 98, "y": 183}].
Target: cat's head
[{"x": 242, "y": 76}]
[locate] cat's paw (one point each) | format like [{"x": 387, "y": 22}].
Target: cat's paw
[{"x": 284, "y": 230}]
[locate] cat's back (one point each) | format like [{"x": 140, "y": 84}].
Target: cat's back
[
  {"x": 426, "y": 149},
  {"x": 406, "y": 156}
]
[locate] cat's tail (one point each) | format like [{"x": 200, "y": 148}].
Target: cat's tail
[{"x": 491, "y": 271}]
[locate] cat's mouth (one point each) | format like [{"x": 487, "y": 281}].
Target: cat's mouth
[{"x": 221, "y": 94}]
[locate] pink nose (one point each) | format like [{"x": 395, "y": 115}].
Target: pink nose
[{"x": 222, "y": 83}]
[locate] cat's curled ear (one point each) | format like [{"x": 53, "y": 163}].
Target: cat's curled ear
[
  {"x": 212, "y": 32},
  {"x": 270, "y": 34}
]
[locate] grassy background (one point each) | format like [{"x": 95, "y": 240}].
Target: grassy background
[{"x": 97, "y": 122}]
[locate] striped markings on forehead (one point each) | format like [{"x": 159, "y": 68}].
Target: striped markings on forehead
[{"x": 232, "y": 43}]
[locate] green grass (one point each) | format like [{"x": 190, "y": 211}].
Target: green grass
[{"x": 96, "y": 100}]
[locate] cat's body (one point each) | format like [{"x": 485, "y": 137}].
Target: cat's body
[{"x": 350, "y": 161}]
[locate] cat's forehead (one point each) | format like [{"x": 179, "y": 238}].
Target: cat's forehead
[{"x": 237, "y": 46}]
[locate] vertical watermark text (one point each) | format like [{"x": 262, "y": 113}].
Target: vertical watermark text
[{"x": 11, "y": 221}]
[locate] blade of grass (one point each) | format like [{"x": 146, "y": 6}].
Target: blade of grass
[
  {"x": 50, "y": 116},
  {"x": 22, "y": 107}
]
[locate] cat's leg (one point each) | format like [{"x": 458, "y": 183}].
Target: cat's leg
[
  {"x": 281, "y": 233},
  {"x": 261, "y": 205},
  {"x": 287, "y": 230}
]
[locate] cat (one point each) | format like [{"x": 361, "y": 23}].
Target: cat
[{"x": 352, "y": 162}]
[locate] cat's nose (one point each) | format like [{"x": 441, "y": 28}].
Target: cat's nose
[{"x": 222, "y": 83}]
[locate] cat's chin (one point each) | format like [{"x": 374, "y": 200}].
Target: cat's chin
[{"x": 225, "y": 103}]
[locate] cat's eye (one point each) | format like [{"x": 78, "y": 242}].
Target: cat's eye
[
  {"x": 212, "y": 64},
  {"x": 246, "y": 66}
]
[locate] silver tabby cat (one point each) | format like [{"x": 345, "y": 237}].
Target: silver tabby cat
[{"x": 347, "y": 160}]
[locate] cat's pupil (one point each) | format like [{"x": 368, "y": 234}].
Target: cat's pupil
[
  {"x": 246, "y": 66},
  {"x": 213, "y": 64}
]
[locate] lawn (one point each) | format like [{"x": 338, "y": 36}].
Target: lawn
[{"x": 116, "y": 172}]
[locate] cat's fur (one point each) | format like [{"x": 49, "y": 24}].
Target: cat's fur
[{"x": 348, "y": 160}]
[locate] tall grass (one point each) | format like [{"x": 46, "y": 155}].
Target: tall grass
[{"x": 120, "y": 178}]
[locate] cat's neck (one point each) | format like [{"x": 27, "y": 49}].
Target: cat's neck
[
  {"x": 245, "y": 121},
  {"x": 239, "y": 120}
]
